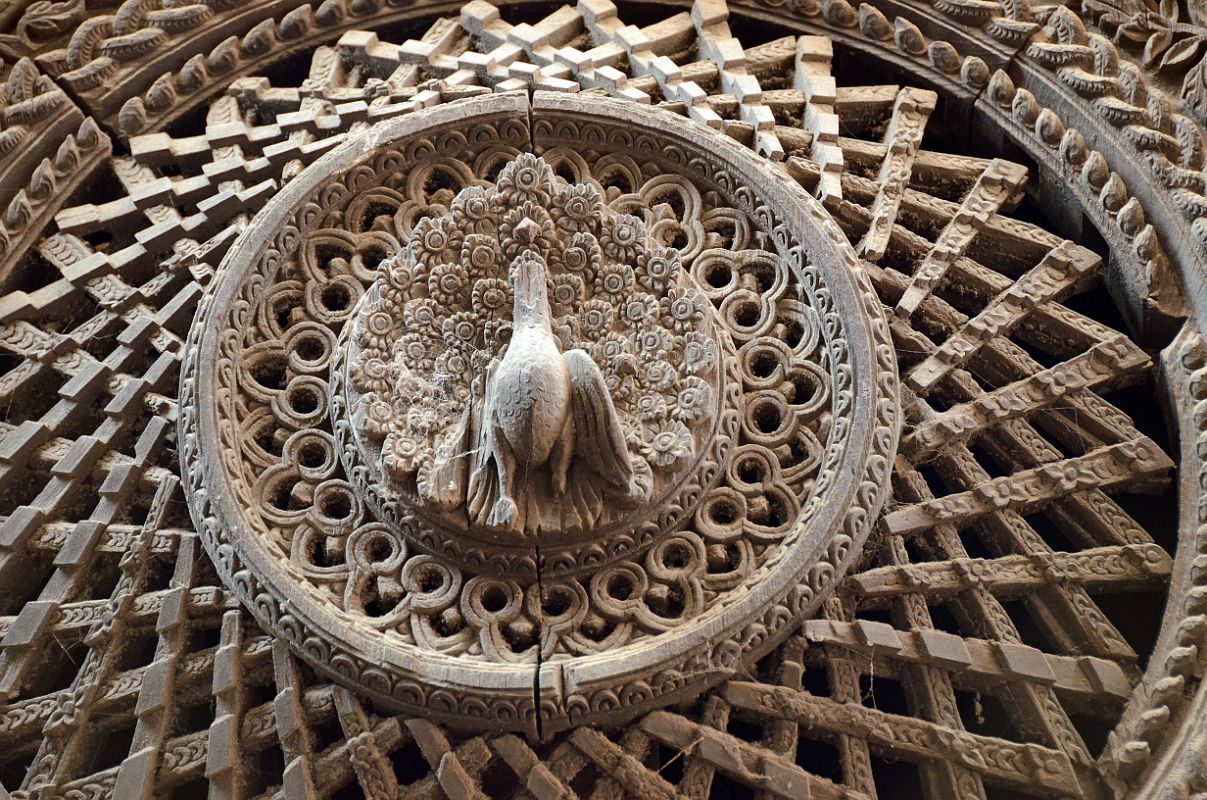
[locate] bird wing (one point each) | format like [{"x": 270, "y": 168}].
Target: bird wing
[{"x": 598, "y": 435}]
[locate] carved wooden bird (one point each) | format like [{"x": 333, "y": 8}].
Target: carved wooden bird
[{"x": 541, "y": 409}]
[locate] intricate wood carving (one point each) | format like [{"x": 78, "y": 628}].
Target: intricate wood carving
[
  {"x": 737, "y": 610},
  {"x": 706, "y": 360}
]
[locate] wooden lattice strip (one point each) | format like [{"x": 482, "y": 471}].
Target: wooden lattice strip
[
  {"x": 1082, "y": 420},
  {"x": 1083, "y": 417},
  {"x": 780, "y": 736},
  {"x": 911, "y": 111},
  {"x": 1072, "y": 621},
  {"x": 116, "y": 537},
  {"x": 898, "y": 736},
  {"x": 1056, "y": 275},
  {"x": 928, "y": 687},
  {"x": 749, "y": 764},
  {"x": 555, "y": 62},
  {"x": 862, "y": 107},
  {"x": 611, "y": 35},
  {"x": 373, "y": 769},
  {"x": 1060, "y": 608},
  {"x": 17, "y": 562},
  {"x": 842, "y": 675},
  {"x": 1027, "y": 305},
  {"x": 18, "y": 453},
  {"x": 622, "y": 768},
  {"x": 157, "y": 310},
  {"x": 566, "y": 762},
  {"x": 717, "y": 43},
  {"x": 637, "y": 748},
  {"x": 1032, "y": 709},
  {"x": 225, "y": 766},
  {"x": 88, "y": 379},
  {"x": 500, "y": 65},
  {"x": 819, "y": 91},
  {"x": 1108, "y": 362},
  {"x": 26, "y": 718},
  {"x": 73, "y": 619},
  {"x": 1005, "y": 244},
  {"x": 1079, "y": 420},
  {"x": 1005, "y": 531},
  {"x": 289, "y": 717},
  {"x": 66, "y": 749},
  {"x": 186, "y": 757},
  {"x": 1068, "y": 333},
  {"x": 699, "y": 770},
  {"x": 1107, "y": 467},
  {"x": 994, "y": 187},
  {"x": 157, "y": 701},
  {"x": 343, "y": 762},
  {"x": 537, "y": 779},
  {"x": 35, "y": 627},
  {"x": 977, "y": 663},
  {"x": 1097, "y": 634},
  {"x": 456, "y": 771},
  {"x": 1014, "y": 576}
]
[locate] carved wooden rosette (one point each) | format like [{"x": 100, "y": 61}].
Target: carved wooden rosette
[
  {"x": 414, "y": 366},
  {"x": 747, "y": 527},
  {"x": 1024, "y": 187}
]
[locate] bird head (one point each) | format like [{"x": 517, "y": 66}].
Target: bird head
[{"x": 530, "y": 290}]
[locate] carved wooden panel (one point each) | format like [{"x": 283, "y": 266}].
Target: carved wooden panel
[{"x": 772, "y": 400}]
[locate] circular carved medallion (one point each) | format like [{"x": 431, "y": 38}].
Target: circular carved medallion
[
  {"x": 633, "y": 394},
  {"x": 586, "y": 431}
]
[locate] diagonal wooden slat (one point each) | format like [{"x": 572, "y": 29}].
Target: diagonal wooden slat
[
  {"x": 1110, "y": 363},
  {"x": 746, "y": 762},
  {"x": 1000, "y": 180},
  {"x": 903, "y": 137},
  {"x": 1115, "y": 465},
  {"x": 1049, "y": 280},
  {"x": 1026, "y": 765}
]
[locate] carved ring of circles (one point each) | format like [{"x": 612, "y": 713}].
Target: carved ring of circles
[{"x": 749, "y": 525}]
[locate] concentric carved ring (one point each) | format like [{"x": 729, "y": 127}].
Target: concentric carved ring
[{"x": 527, "y": 442}]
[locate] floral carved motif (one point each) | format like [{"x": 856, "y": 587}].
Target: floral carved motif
[
  {"x": 246, "y": 377},
  {"x": 534, "y": 362}
]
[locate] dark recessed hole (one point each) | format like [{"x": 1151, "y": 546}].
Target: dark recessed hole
[
  {"x": 269, "y": 373},
  {"x": 722, "y": 512},
  {"x": 555, "y": 603},
  {"x": 747, "y": 315},
  {"x": 336, "y": 505},
  {"x": 750, "y": 470},
  {"x": 494, "y": 599},
  {"x": 336, "y": 297},
  {"x": 310, "y": 348},
  {"x": 313, "y": 456},
  {"x": 620, "y": 587},
  {"x": 767, "y": 417},
  {"x": 303, "y": 401},
  {"x": 718, "y": 276}
]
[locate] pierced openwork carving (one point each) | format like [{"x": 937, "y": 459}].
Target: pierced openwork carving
[
  {"x": 534, "y": 365},
  {"x": 212, "y": 584},
  {"x": 561, "y": 418}
]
